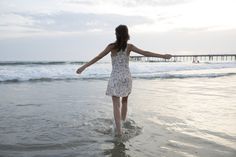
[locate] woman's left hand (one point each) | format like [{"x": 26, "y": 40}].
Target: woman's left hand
[{"x": 167, "y": 56}]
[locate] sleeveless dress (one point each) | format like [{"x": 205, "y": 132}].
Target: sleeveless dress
[{"x": 120, "y": 81}]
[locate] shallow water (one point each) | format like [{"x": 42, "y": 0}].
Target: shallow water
[
  {"x": 175, "y": 109},
  {"x": 56, "y": 119},
  {"x": 197, "y": 115},
  {"x": 168, "y": 117}
]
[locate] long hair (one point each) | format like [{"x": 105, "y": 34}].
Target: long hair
[{"x": 122, "y": 36}]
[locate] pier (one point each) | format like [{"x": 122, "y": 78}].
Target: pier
[{"x": 189, "y": 58}]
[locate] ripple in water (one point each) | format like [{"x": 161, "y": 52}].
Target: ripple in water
[
  {"x": 107, "y": 127},
  {"x": 89, "y": 132}
]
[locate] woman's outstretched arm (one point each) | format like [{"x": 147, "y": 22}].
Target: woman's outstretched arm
[
  {"x": 149, "y": 54},
  {"x": 95, "y": 59}
]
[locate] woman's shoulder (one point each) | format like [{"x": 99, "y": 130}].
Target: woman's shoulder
[
  {"x": 111, "y": 46},
  {"x": 130, "y": 46},
  {"x": 114, "y": 44}
]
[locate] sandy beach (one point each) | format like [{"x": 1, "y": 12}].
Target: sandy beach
[{"x": 60, "y": 59}]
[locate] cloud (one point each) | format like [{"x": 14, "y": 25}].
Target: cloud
[
  {"x": 26, "y": 17},
  {"x": 83, "y": 21},
  {"x": 130, "y": 3},
  {"x": 82, "y": 2},
  {"x": 155, "y": 2},
  {"x": 67, "y": 22}
]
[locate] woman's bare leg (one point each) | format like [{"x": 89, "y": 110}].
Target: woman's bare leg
[
  {"x": 116, "y": 111},
  {"x": 124, "y": 108}
]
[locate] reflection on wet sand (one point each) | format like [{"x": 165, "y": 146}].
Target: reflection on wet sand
[{"x": 119, "y": 150}]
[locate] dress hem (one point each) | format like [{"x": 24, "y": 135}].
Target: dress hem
[{"x": 118, "y": 95}]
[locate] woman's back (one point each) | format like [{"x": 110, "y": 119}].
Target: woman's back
[
  {"x": 120, "y": 61},
  {"x": 120, "y": 82}
]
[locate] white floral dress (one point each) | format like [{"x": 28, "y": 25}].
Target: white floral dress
[{"x": 120, "y": 82}]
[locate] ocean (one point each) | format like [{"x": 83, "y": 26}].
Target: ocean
[
  {"x": 175, "y": 109},
  {"x": 50, "y": 71}
]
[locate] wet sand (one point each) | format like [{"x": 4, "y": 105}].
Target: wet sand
[{"x": 168, "y": 117}]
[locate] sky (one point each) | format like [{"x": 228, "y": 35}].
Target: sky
[{"x": 78, "y": 30}]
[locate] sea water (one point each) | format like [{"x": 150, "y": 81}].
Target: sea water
[
  {"x": 175, "y": 109},
  {"x": 49, "y": 71}
]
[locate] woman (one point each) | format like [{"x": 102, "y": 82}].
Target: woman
[{"x": 120, "y": 82}]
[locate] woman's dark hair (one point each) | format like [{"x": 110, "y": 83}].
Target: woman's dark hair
[{"x": 122, "y": 36}]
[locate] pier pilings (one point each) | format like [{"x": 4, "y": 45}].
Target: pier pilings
[{"x": 188, "y": 58}]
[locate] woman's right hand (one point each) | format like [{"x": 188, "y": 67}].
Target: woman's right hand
[{"x": 80, "y": 70}]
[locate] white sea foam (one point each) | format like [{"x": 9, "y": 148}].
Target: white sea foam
[{"x": 49, "y": 71}]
